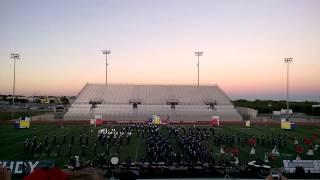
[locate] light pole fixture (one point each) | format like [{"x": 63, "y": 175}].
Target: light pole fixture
[
  {"x": 198, "y": 53},
  {"x": 288, "y": 61},
  {"x": 15, "y": 57},
  {"x": 106, "y": 52}
]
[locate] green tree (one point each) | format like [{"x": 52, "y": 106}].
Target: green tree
[{"x": 64, "y": 100}]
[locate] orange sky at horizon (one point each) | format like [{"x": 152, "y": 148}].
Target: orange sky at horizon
[
  {"x": 244, "y": 45},
  {"x": 239, "y": 80}
]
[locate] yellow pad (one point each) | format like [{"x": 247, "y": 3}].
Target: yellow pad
[
  {"x": 157, "y": 121},
  {"x": 24, "y": 124},
  {"x": 285, "y": 125}
]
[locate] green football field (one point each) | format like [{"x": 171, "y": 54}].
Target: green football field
[
  {"x": 11, "y": 142},
  {"x": 8, "y": 115}
]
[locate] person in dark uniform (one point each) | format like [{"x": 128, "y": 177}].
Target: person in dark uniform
[
  {"x": 285, "y": 142},
  {"x": 104, "y": 139},
  {"x": 87, "y": 140},
  {"x": 54, "y": 141},
  {"x": 26, "y": 144},
  {"x": 72, "y": 139},
  {"x": 46, "y": 140},
  {"x": 83, "y": 150},
  {"x": 128, "y": 161},
  {"x": 95, "y": 149},
  {"x": 58, "y": 150},
  {"x": 100, "y": 138},
  {"x": 39, "y": 148},
  {"x": 48, "y": 150},
  {"x": 24, "y": 168},
  {"x": 107, "y": 150},
  {"x": 35, "y": 140},
  {"x": 263, "y": 141},
  {"x": 80, "y": 139},
  {"x": 33, "y": 148},
  {"x": 128, "y": 138},
  {"x": 69, "y": 150},
  {"x": 64, "y": 139}
]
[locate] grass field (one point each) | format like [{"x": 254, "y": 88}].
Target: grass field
[
  {"x": 11, "y": 142},
  {"x": 8, "y": 115}
]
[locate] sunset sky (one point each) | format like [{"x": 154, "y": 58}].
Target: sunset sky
[{"x": 153, "y": 41}]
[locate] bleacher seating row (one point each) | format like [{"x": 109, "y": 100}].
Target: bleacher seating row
[
  {"x": 151, "y": 94},
  {"x": 114, "y": 102}
]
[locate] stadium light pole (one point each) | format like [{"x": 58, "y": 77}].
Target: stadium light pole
[
  {"x": 198, "y": 53},
  {"x": 288, "y": 61},
  {"x": 15, "y": 57},
  {"x": 106, "y": 52}
]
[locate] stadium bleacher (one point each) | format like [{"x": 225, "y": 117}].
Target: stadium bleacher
[{"x": 115, "y": 102}]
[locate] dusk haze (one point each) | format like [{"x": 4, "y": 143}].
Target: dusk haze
[
  {"x": 153, "y": 42},
  {"x": 159, "y": 89}
]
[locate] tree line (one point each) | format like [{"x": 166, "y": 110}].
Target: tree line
[{"x": 267, "y": 106}]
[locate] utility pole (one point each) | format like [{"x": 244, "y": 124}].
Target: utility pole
[
  {"x": 15, "y": 57},
  {"x": 288, "y": 61},
  {"x": 198, "y": 53},
  {"x": 106, "y": 52}
]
